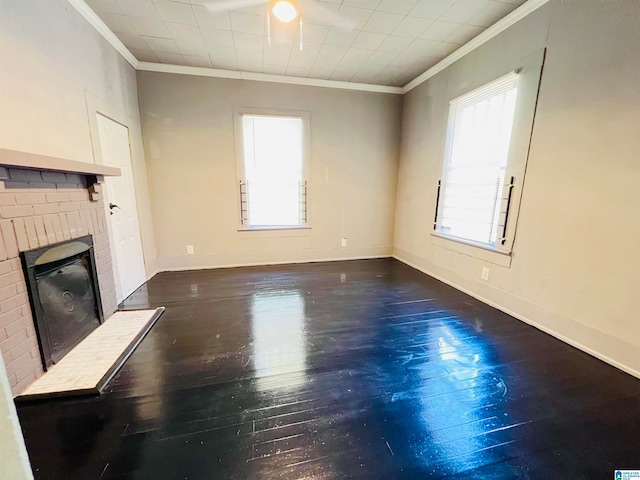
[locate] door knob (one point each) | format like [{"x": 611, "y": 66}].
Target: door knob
[{"x": 112, "y": 206}]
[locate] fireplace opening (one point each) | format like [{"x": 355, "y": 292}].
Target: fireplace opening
[{"x": 63, "y": 291}]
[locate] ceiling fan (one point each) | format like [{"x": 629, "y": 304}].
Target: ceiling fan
[{"x": 286, "y": 11}]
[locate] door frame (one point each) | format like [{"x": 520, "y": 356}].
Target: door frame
[{"x": 96, "y": 106}]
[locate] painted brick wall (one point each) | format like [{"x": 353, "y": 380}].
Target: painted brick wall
[{"x": 39, "y": 209}]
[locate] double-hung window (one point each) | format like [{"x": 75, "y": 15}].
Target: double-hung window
[
  {"x": 475, "y": 191},
  {"x": 272, "y": 169}
]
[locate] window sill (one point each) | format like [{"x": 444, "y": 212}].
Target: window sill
[
  {"x": 471, "y": 249},
  {"x": 282, "y": 231}
]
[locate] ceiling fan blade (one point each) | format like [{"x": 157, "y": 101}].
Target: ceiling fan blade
[
  {"x": 313, "y": 9},
  {"x": 226, "y": 5}
]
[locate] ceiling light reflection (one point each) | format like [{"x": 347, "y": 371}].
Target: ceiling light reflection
[{"x": 284, "y": 11}]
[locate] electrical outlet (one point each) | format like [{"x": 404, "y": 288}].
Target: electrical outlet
[
  {"x": 485, "y": 273},
  {"x": 344, "y": 242},
  {"x": 189, "y": 249}
]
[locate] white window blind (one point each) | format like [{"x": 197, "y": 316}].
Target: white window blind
[
  {"x": 472, "y": 202},
  {"x": 273, "y": 190}
]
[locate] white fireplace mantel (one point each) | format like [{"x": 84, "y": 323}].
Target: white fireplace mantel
[{"x": 18, "y": 159}]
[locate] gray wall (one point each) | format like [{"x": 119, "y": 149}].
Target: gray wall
[
  {"x": 188, "y": 131},
  {"x": 575, "y": 268},
  {"x": 55, "y": 71}
]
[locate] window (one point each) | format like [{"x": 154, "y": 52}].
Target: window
[
  {"x": 272, "y": 168},
  {"x": 475, "y": 193}
]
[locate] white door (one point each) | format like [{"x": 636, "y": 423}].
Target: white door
[{"x": 120, "y": 202}]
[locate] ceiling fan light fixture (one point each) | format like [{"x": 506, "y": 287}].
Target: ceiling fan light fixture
[{"x": 284, "y": 11}]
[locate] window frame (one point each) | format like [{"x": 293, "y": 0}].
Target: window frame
[
  {"x": 305, "y": 116},
  {"x": 529, "y": 76},
  {"x": 462, "y": 102}
]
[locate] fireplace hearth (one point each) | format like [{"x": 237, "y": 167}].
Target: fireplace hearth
[{"x": 63, "y": 291}]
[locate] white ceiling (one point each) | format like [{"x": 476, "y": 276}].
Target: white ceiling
[{"x": 392, "y": 43}]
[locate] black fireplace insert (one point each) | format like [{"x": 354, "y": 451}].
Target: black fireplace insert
[{"x": 65, "y": 299}]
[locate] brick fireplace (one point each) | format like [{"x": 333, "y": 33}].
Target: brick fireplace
[{"x": 40, "y": 208}]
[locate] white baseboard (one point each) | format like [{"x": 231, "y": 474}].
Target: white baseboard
[
  {"x": 263, "y": 264},
  {"x": 528, "y": 319},
  {"x": 151, "y": 266},
  {"x": 205, "y": 261},
  {"x": 605, "y": 358}
]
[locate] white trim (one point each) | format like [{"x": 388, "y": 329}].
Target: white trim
[
  {"x": 155, "y": 272},
  {"x": 103, "y": 30},
  {"x": 283, "y": 231},
  {"x": 567, "y": 340},
  {"x": 277, "y": 228},
  {"x": 470, "y": 249},
  {"x": 263, "y": 77},
  {"x": 471, "y": 243},
  {"x": 494, "y": 30},
  {"x": 241, "y": 173},
  {"x": 515, "y": 16},
  {"x": 264, "y": 264}
]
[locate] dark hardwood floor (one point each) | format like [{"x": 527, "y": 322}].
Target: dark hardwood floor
[{"x": 364, "y": 369}]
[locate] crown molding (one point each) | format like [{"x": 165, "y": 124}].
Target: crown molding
[
  {"x": 500, "y": 26},
  {"x": 101, "y": 27},
  {"x": 497, "y": 28},
  {"x": 264, "y": 77}
]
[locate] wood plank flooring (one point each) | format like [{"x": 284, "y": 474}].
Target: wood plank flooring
[{"x": 360, "y": 369}]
